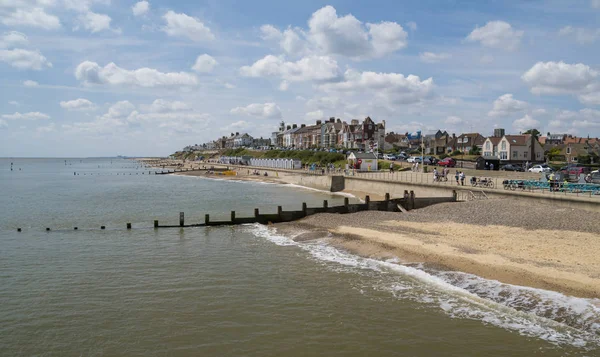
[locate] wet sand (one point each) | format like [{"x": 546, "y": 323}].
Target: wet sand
[{"x": 510, "y": 241}]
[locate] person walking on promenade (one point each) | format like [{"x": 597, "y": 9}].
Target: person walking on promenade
[
  {"x": 417, "y": 166},
  {"x": 445, "y": 172},
  {"x": 462, "y": 178},
  {"x": 457, "y": 175}
]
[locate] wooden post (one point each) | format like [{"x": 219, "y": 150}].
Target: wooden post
[
  {"x": 387, "y": 196},
  {"x": 75, "y": 228},
  {"x": 206, "y": 219},
  {"x": 181, "y": 219},
  {"x": 325, "y": 203},
  {"x": 102, "y": 227},
  {"x": 346, "y": 201},
  {"x": 128, "y": 225},
  {"x": 454, "y": 195},
  {"x": 279, "y": 212},
  {"x": 47, "y": 229},
  {"x": 155, "y": 223},
  {"x": 367, "y": 201},
  {"x": 18, "y": 229},
  {"x": 256, "y": 213},
  {"x": 232, "y": 216},
  {"x": 304, "y": 208},
  {"x": 412, "y": 199}
]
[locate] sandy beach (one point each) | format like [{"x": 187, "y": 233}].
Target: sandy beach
[{"x": 505, "y": 240}]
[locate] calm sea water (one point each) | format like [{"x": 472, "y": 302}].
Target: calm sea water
[{"x": 243, "y": 291}]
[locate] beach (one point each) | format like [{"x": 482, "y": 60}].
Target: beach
[{"x": 514, "y": 242}]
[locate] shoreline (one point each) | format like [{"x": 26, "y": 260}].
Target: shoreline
[
  {"x": 492, "y": 239},
  {"x": 555, "y": 260}
]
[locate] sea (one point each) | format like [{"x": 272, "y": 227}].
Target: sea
[{"x": 235, "y": 291}]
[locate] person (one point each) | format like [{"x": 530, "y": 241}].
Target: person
[
  {"x": 551, "y": 178},
  {"x": 446, "y": 171},
  {"x": 391, "y": 168},
  {"x": 435, "y": 175},
  {"x": 492, "y": 167},
  {"x": 417, "y": 166},
  {"x": 588, "y": 178},
  {"x": 462, "y": 178},
  {"x": 457, "y": 175}
]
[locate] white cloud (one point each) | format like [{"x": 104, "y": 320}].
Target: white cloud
[
  {"x": 30, "y": 83},
  {"x": 266, "y": 110},
  {"x": 13, "y": 38},
  {"x": 182, "y": 25},
  {"x": 79, "y": 104},
  {"x": 319, "y": 68},
  {"x": 3, "y": 124},
  {"x": 562, "y": 78},
  {"x": 506, "y": 105},
  {"x": 525, "y": 123},
  {"x": 315, "y": 115},
  {"x": 140, "y": 8},
  {"x": 118, "y": 110},
  {"x": 412, "y": 25},
  {"x": 91, "y": 73},
  {"x": 24, "y": 59},
  {"x": 14, "y": 102},
  {"x": 497, "y": 34},
  {"x": 284, "y": 85},
  {"x": 94, "y": 22},
  {"x": 35, "y": 17},
  {"x": 166, "y": 106},
  {"x": 453, "y": 120},
  {"x": 430, "y": 57},
  {"x": 590, "y": 98},
  {"x": 581, "y": 35},
  {"x": 347, "y": 36},
  {"x": 292, "y": 40},
  {"x": 393, "y": 87},
  {"x": 205, "y": 64},
  {"x": 26, "y": 116}
]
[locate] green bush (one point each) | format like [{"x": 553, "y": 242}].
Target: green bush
[
  {"x": 443, "y": 156},
  {"x": 456, "y": 153}
]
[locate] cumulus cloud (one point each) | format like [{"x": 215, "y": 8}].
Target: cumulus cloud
[
  {"x": 165, "y": 106},
  {"x": 318, "y": 68},
  {"x": 119, "y": 110},
  {"x": 205, "y": 64},
  {"x": 525, "y": 123},
  {"x": 590, "y": 98},
  {"x": 284, "y": 85},
  {"x": 32, "y": 17},
  {"x": 24, "y": 59},
  {"x": 12, "y": 39},
  {"x": 30, "y": 83},
  {"x": 111, "y": 74},
  {"x": 330, "y": 34},
  {"x": 182, "y": 25},
  {"x": 26, "y": 116},
  {"x": 497, "y": 34},
  {"x": 79, "y": 104},
  {"x": 430, "y": 57},
  {"x": 94, "y": 22},
  {"x": 266, "y": 110},
  {"x": 140, "y": 8},
  {"x": 581, "y": 35},
  {"x": 506, "y": 105},
  {"x": 390, "y": 86},
  {"x": 562, "y": 78}
]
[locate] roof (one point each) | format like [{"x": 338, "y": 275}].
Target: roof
[
  {"x": 542, "y": 140},
  {"x": 489, "y": 158},
  {"x": 495, "y": 140},
  {"x": 366, "y": 156},
  {"x": 517, "y": 140}
]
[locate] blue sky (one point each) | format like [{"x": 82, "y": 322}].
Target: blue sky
[{"x": 102, "y": 78}]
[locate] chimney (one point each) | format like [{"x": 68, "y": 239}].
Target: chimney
[
  {"x": 289, "y": 127},
  {"x": 303, "y": 125},
  {"x": 231, "y": 134},
  {"x": 354, "y": 122},
  {"x": 294, "y": 126},
  {"x": 339, "y": 121},
  {"x": 383, "y": 122},
  {"x": 453, "y": 136},
  {"x": 332, "y": 120},
  {"x": 236, "y": 133},
  {"x": 318, "y": 122}
]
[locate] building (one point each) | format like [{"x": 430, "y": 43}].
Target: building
[
  {"x": 308, "y": 137},
  {"x": 330, "y": 133},
  {"x": 362, "y": 162},
  {"x": 393, "y": 141},
  {"x": 499, "y": 132},
  {"x": 261, "y": 142},
  {"x": 288, "y": 136},
  {"x": 520, "y": 148},
  {"x": 490, "y": 146},
  {"x": 466, "y": 142},
  {"x": 435, "y": 142},
  {"x": 244, "y": 140}
]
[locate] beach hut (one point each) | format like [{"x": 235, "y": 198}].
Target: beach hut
[{"x": 362, "y": 162}]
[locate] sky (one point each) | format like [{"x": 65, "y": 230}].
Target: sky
[{"x": 105, "y": 78}]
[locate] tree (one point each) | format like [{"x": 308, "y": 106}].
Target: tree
[
  {"x": 534, "y": 132},
  {"x": 552, "y": 153},
  {"x": 475, "y": 151}
]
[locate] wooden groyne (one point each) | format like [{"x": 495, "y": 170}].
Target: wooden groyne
[{"x": 403, "y": 204}]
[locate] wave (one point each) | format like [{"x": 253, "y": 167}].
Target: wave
[{"x": 548, "y": 315}]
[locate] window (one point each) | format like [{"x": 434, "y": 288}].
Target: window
[
  {"x": 515, "y": 154},
  {"x": 568, "y": 150},
  {"x": 487, "y": 145},
  {"x": 503, "y": 146},
  {"x": 503, "y": 155},
  {"x": 525, "y": 154}
]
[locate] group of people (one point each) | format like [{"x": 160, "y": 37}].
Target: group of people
[{"x": 439, "y": 176}]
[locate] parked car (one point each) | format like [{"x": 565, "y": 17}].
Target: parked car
[
  {"x": 595, "y": 177},
  {"x": 578, "y": 169},
  {"x": 402, "y": 156},
  {"x": 430, "y": 160},
  {"x": 511, "y": 167},
  {"x": 389, "y": 157},
  {"x": 540, "y": 168},
  {"x": 414, "y": 159},
  {"x": 448, "y": 162}
]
